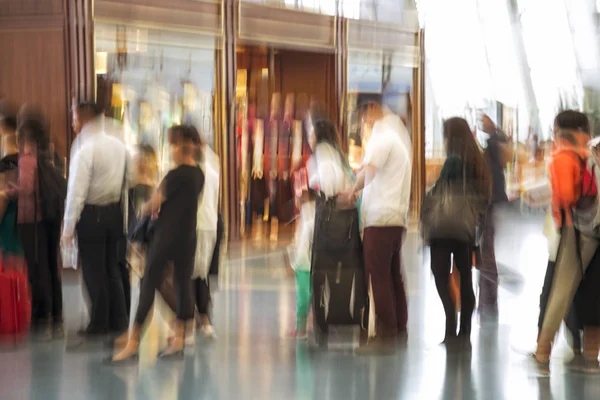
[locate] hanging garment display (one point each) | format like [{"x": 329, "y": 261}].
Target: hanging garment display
[
  {"x": 243, "y": 161},
  {"x": 285, "y": 203},
  {"x": 258, "y": 190},
  {"x": 271, "y": 142}
]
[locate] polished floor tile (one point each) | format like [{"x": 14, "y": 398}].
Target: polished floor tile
[{"x": 253, "y": 359}]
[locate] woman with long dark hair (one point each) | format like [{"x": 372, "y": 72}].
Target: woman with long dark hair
[
  {"x": 465, "y": 167},
  {"x": 327, "y": 168}
]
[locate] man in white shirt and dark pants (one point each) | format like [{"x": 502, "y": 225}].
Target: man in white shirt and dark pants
[
  {"x": 93, "y": 213},
  {"x": 385, "y": 180}
]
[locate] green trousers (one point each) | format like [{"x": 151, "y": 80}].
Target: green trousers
[{"x": 303, "y": 293}]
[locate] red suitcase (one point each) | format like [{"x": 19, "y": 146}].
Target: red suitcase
[{"x": 15, "y": 304}]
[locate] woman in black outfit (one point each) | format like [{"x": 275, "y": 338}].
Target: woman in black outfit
[
  {"x": 464, "y": 164},
  {"x": 173, "y": 240}
]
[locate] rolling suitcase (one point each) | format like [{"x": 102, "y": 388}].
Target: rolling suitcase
[
  {"x": 15, "y": 304},
  {"x": 337, "y": 271}
]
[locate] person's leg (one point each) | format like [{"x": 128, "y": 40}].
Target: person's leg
[
  {"x": 91, "y": 240},
  {"x": 567, "y": 276},
  {"x": 400, "y": 292},
  {"x": 203, "y": 305},
  {"x": 167, "y": 288},
  {"x": 488, "y": 276},
  {"x": 302, "y": 300},
  {"x": 441, "y": 259},
  {"x": 586, "y": 306},
  {"x": 214, "y": 263},
  {"x": 156, "y": 261},
  {"x": 53, "y": 235},
  {"x": 548, "y": 279},
  {"x": 118, "y": 320},
  {"x": 183, "y": 267},
  {"x": 125, "y": 272},
  {"x": 182, "y": 274},
  {"x": 202, "y": 296},
  {"x": 38, "y": 277},
  {"x": 379, "y": 248},
  {"x": 35, "y": 249},
  {"x": 463, "y": 256}
]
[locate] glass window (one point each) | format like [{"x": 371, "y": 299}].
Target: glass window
[
  {"x": 553, "y": 68},
  {"x": 375, "y": 76},
  {"x": 150, "y": 79}
]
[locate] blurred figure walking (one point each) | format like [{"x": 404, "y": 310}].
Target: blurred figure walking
[
  {"x": 497, "y": 153},
  {"x": 175, "y": 207}
]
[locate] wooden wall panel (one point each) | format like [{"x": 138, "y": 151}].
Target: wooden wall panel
[
  {"x": 80, "y": 50},
  {"x": 370, "y": 36},
  {"x": 260, "y": 24},
  {"x": 196, "y": 15},
  {"x": 32, "y": 70},
  {"x": 15, "y": 8},
  {"x": 228, "y": 122},
  {"x": 310, "y": 73}
]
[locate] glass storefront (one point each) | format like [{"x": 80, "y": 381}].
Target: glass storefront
[
  {"x": 554, "y": 70},
  {"x": 381, "y": 77},
  {"x": 479, "y": 60},
  {"x": 149, "y": 79}
]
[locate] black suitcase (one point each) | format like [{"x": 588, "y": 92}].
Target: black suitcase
[{"x": 339, "y": 290}]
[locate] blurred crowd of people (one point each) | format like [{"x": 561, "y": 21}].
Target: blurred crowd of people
[
  {"x": 166, "y": 233},
  {"x": 458, "y": 217},
  {"x": 119, "y": 218}
]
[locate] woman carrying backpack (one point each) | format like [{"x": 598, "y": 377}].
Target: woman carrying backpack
[{"x": 574, "y": 204}]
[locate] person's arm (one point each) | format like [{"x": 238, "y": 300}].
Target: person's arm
[
  {"x": 26, "y": 185},
  {"x": 376, "y": 155},
  {"x": 152, "y": 206},
  {"x": 77, "y": 189}
]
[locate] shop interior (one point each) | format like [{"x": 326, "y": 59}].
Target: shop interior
[{"x": 275, "y": 90}]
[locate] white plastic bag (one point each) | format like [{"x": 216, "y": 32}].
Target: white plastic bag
[{"x": 70, "y": 254}]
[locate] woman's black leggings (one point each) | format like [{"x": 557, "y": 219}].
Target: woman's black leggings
[
  {"x": 158, "y": 257},
  {"x": 441, "y": 262}
]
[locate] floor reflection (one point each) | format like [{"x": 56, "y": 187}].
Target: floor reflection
[{"x": 252, "y": 358}]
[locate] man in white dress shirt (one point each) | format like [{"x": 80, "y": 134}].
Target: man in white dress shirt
[
  {"x": 93, "y": 213},
  {"x": 385, "y": 181}
]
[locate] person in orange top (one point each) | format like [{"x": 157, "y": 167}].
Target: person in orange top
[
  {"x": 570, "y": 148},
  {"x": 577, "y": 246}
]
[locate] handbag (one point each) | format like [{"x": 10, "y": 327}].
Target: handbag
[
  {"x": 143, "y": 231},
  {"x": 453, "y": 210}
]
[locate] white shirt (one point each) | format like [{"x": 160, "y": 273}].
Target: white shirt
[
  {"x": 386, "y": 195},
  {"x": 326, "y": 173},
  {"x": 208, "y": 206},
  {"x": 96, "y": 173}
]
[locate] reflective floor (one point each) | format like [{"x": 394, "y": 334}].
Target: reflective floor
[{"x": 252, "y": 358}]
